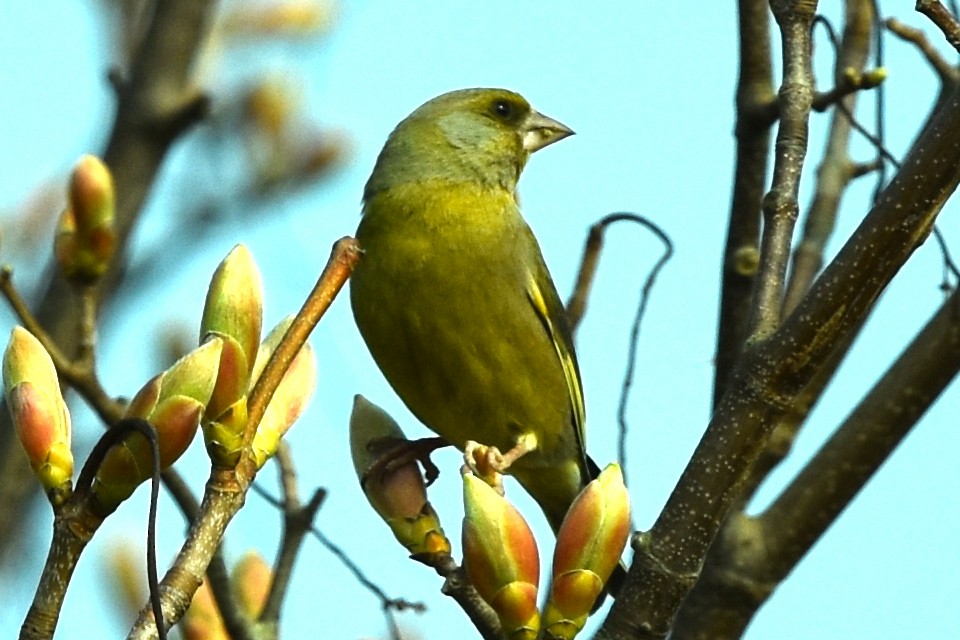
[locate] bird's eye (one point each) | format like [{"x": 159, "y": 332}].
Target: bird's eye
[{"x": 503, "y": 109}]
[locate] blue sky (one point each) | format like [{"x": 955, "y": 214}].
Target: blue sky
[{"x": 649, "y": 89}]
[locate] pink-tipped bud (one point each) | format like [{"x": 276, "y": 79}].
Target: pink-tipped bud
[
  {"x": 290, "y": 398},
  {"x": 589, "y": 545},
  {"x": 501, "y": 557},
  {"x": 394, "y": 488},
  {"x": 202, "y": 620},
  {"x": 172, "y": 403},
  {"x": 252, "y": 577},
  {"x": 37, "y": 409},
  {"x": 86, "y": 237}
]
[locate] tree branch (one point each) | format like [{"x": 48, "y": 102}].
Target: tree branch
[
  {"x": 774, "y": 371},
  {"x": 227, "y": 488},
  {"x": 741, "y": 252},
  {"x": 155, "y": 105},
  {"x": 754, "y": 555}
]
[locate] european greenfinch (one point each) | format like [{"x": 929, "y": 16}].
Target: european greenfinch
[{"x": 453, "y": 298}]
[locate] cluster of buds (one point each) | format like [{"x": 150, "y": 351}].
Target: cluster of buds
[
  {"x": 500, "y": 553},
  {"x": 208, "y": 386},
  {"x": 86, "y": 238},
  {"x": 233, "y": 314},
  {"x": 501, "y": 558},
  {"x": 392, "y": 481},
  {"x": 172, "y": 404}
]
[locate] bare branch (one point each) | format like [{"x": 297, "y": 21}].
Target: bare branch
[
  {"x": 741, "y": 252},
  {"x": 774, "y": 371}
]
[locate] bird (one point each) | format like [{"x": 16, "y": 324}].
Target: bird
[{"x": 454, "y": 300}]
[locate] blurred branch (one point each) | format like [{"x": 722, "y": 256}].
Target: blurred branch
[
  {"x": 741, "y": 251},
  {"x": 297, "y": 522},
  {"x": 388, "y": 604},
  {"x": 944, "y": 70},
  {"x": 155, "y": 104}
]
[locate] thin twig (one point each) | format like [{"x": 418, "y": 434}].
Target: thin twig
[
  {"x": 780, "y": 206},
  {"x": 343, "y": 257},
  {"x": 387, "y": 603},
  {"x": 946, "y": 71},
  {"x": 297, "y": 521},
  {"x": 576, "y": 306}
]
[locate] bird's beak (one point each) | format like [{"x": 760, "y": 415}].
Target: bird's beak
[{"x": 538, "y": 131}]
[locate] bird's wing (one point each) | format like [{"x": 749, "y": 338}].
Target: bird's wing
[{"x": 547, "y": 304}]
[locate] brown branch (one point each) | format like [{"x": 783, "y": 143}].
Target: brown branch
[
  {"x": 297, "y": 522},
  {"x": 459, "y": 587},
  {"x": 741, "y": 251},
  {"x": 775, "y": 371},
  {"x": 864, "y": 441},
  {"x": 226, "y": 489},
  {"x": 154, "y": 106},
  {"x": 73, "y": 527},
  {"x": 343, "y": 257},
  {"x": 236, "y": 622},
  {"x": 780, "y": 205},
  {"x": 754, "y": 555},
  {"x": 943, "y": 19}
]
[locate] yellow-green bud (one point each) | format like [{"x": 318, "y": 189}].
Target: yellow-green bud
[
  {"x": 172, "y": 403},
  {"x": 501, "y": 558},
  {"x": 290, "y": 398},
  {"x": 234, "y": 312}
]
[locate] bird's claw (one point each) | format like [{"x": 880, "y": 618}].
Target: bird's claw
[
  {"x": 396, "y": 452},
  {"x": 489, "y": 464},
  {"x": 485, "y": 462}
]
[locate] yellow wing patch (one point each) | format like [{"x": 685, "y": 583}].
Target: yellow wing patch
[{"x": 566, "y": 361}]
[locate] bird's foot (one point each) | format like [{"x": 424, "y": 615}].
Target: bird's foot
[
  {"x": 396, "y": 452},
  {"x": 489, "y": 464}
]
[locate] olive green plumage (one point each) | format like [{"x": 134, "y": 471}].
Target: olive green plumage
[{"x": 452, "y": 295}]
